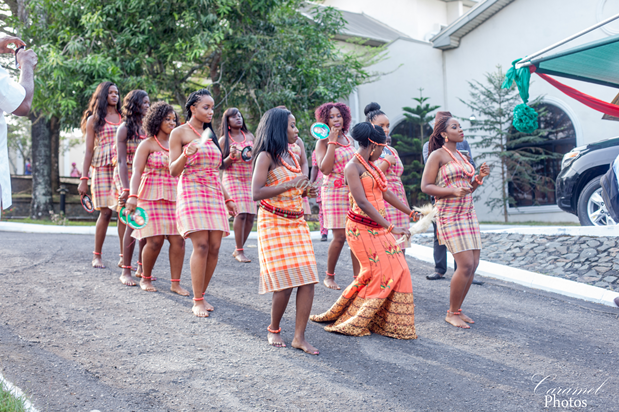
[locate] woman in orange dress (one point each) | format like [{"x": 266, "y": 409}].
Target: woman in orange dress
[
  {"x": 285, "y": 249},
  {"x": 448, "y": 176},
  {"x": 202, "y": 204},
  {"x": 236, "y": 176},
  {"x": 128, "y": 137},
  {"x": 153, "y": 189},
  {"x": 392, "y": 166},
  {"x": 298, "y": 149},
  {"x": 380, "y": 299},
  {"x": 332, "y": 155},
  {"x": 99, "y": 124}
]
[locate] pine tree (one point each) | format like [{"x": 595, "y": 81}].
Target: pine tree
[
  {"x": 410, "y": 148},
  {"x": 513, "y": 157}
]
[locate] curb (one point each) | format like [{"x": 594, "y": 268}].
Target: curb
[
  {"x": 18, "y": 393},
  {"x": 88, "y": 230},
  {"x": 525, "y": 278}
]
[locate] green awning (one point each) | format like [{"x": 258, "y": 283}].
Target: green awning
[{"x": 595, "y": 62}]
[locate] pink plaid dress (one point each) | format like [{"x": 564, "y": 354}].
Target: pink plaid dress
[
  {"x": 132, "y": 146},
  {"x": 237, "y": 182},
  {"x": 323, "y": 231},
  {"x": 334, "y": 194},
  {"x": 200, "y": 198},
  {"x": 103, "y": 170},
  {"x": 394, "y": 184},
  {"x": 157, "y": 196},
  {"x": 456, "y": 222}
]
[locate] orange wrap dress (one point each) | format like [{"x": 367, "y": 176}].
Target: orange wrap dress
[
  {"x": 103, "y": 192},
  {"x": 285, "y": 248},
  {"x": 296, "y": 150},
  {"x": 380, "y": 300}
]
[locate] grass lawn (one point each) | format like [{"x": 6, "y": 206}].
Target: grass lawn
[
  {"x": 532, "y": 223},
  {"x": 8, "y": 402},
  {"x": 49, "y": 222}
]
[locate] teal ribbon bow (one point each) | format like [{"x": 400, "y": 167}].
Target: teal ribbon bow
[{"x": 522, "y": 77}]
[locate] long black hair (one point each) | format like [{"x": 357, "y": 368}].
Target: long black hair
[
  {"x": 194, "y": 98},
  {"x": 132, "y": 112},
  {"x": 97, "y": 106},
  {"x": 436, "y": 140},
  {"x": 224, "y": 131},
  {"x": 272, "y": 134},
  {"x": 372, "y": 111},
  {"x": 365, "y": 131}
]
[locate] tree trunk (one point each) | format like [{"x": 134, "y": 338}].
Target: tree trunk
[
  {"x": 41, "y": 167},
  {"x": 54, "y": 126},
  {"x": 216, "y": 90}
]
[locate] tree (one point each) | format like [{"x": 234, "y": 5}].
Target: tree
[
  {"x": 411, "y": 148},
  {"x": 253, "y": 54},
  {"x": 516, "y": 155}
]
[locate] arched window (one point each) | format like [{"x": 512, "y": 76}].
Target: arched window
[{"x": 533, "y": 184}]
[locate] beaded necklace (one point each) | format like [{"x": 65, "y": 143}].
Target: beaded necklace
[
  {"x": 194, "y": 130},
  {"x": 157, "y": 140},
  {"x": 120, "y": 120},
  {"x": 376, "y": 173},
  {"x": 239, "y": 143},
  {"x": 457, "y": 161},
  {"x": 342, "y": 145},
  {"x": 297, "y": 168}
]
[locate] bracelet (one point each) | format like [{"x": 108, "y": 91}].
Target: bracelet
[
  {"x": 126, "y": 190},
  {"x": 390, "y": 229},
  {"x": 84, "y": 178},
  {"x": 480, "y": 182},
  {"x": 136, "y": 196},
  {"x": 332, "y": 143},
  {"x": 230, "y": 200},
  {"x": 411, "y": 214}
]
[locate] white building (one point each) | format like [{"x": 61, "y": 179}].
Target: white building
[{"x": 441, "y": 45}]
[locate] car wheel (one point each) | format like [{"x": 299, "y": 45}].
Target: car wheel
[{"x": 591, "y": 208}]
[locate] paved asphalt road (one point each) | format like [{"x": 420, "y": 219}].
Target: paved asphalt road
[{"x": 75, "y": 339}]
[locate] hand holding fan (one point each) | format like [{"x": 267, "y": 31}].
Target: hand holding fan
[
  {"x": 87, "y": 204},
  {"x": 319, "y": 130}
]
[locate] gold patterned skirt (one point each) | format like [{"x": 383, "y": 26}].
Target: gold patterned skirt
[{"x": 380, "y": 300}]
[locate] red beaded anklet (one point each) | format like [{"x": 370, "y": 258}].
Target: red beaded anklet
[
  {"x": 148, "y": 278},
  {"x": 175, "y": 280},
  {"x": 126, "y": 267},
  {"x": 274, "y": 331},
  {"x": 97, "y": 253},
  {"x": 330, "y": 274},
  {"x": 198, "y": 299}
]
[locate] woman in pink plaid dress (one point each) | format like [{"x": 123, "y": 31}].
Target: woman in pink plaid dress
[
  {"x": 202, "y": 204},
  {"x": 448, "y": 176},
  {"x": 128, "y": 137},
  {"x": 153, "y": 189},
  {"x": 316, "y": 176},
  {"x": 99, "y": 124},
  {"x": 332, "y": 155},
  {"x": 393, "y": 168},
  {"x": 236, "y": 176}
]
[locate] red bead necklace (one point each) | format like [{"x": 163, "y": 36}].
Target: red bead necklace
[
  {"x": 241, "y": 143},
  {"x": 194, "y": 130},
  {"x": 157, "y": 140},
  {"x": 376, "y": 173},
  {"x": 120, "y": 120},
  {"x": 463, "y": 158},
  {"x": 297, "y": 168},
  {"x": 343, "y": 145}
]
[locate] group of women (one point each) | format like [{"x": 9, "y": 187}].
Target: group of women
[{"x": 189, "y": 183}]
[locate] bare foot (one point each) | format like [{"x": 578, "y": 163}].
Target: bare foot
[
  {"x": 199, "y": 309},
  {"x": 304, "y": 346},
  {"x": 466, "y": 318},
  {"x": 121, "y": 262},
  {"x": 138, "y": 274},
  {"x": 330, "y": 283},
  {"x": 126, "y": 279},
  {"x": 146, "y": 285},
  {"x": 456, "y": 321},
  {"x": 97, "y": 263},
  {"x": 240, "y": 256},
  {"x": 208, "y": 306},
  {"x": 276, "y": 340},
  {"x": 176, "y": 288}
]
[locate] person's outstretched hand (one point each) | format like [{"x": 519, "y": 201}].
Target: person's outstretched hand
[{"x": 5, "y": 41}]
